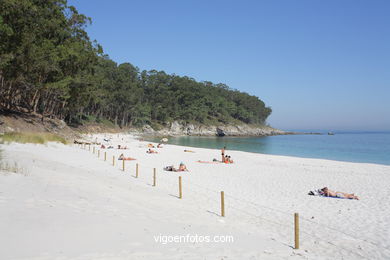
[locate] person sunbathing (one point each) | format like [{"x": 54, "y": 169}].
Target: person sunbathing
[
  {"x": 102, "y": 146},
  {"x": 182, "y": 168},
  {"x": 213, "y": 161},
  {"x": 151, "y": 151},
  {"x": 123, "y": 158},
  {"x": 188, "y": 151},
  {"x": 150, "y": 145},
  {"x": 337, "y": 194},
  {"x": 159, "y": 146}
]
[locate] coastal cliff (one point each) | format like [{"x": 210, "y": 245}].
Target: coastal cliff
[{"x": 182, "y": 129}]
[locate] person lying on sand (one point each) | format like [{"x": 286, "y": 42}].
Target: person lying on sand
[
  {"x": 151, "y": 146},
  {"x": 159, "y": 146},
  {"x": 214, "y": 161},
  {"x": 122, "y": 147},
  {"x": 337, "y": 194},
  {"x": 182, "y": 168},
  {"x": 110, "y": 147},
  {"x": 333, "y": 194},
  {"x": 123, "y": 158},
  {"x": 151, "y": 151},
  {"x": 188, "y": 151}
]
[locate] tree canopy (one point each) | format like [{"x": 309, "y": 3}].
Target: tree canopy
[{"x": 48, "y": 65}]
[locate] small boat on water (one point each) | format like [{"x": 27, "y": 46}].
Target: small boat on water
[{"x": 330, "y": 133}]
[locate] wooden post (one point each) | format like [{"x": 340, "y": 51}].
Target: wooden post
[
  {"x": 89, "y": 147},
  {"x": 105, "y": 156},
  {"x": 296, "y": 225},
  {"x": 222, "y": 204},
  {"x": 154, "y": 176},
  {"x": 98, "y": 153},
  {"x": 180, "y": 189},
  {"x": 94, "y": 149},
  {"x": 113, "y": 160},
  {"x": 136, "y": 170},
  {"x": 123, "y": 164}
]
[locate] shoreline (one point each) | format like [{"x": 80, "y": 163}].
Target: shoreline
[{"x": 152, "y": 139}]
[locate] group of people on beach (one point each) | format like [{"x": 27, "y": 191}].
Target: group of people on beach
[
  {"x": 150, "y": 146},
  {"x": 325, "y": 191},
  {"x": 120, "y": 147}
]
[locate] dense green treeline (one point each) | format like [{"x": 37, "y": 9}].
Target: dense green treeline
[{"x": 48, "y": 65}]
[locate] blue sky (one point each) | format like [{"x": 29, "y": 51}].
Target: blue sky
[{"x": 318, "y": 64}]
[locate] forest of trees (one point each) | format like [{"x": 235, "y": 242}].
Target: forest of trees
[{"x": 48, "y": 65}]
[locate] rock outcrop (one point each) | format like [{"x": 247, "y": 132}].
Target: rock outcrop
[{"x": 181, "y": 129}]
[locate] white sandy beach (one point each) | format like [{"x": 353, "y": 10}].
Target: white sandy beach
[{"x": 70, "y": 204}]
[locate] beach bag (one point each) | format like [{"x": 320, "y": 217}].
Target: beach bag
[{"x": 168, "y": 168}]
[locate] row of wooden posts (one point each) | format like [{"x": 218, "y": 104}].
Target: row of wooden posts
[{"x": 296, "y": 215}]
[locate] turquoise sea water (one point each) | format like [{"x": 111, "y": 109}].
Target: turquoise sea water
[{"x": 369, "y": 147}]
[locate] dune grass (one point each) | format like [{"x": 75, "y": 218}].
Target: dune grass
[
  {"x": 35, "y": 138},
  {"x": 6, "y": 167}
]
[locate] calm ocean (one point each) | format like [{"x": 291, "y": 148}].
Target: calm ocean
[{"x": 369, "y": 147}]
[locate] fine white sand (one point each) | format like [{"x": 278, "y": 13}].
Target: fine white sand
[{"x": 69, "y": 204}]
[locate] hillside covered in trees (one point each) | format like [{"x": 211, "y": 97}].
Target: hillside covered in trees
[{"x": 48, "y": 65}]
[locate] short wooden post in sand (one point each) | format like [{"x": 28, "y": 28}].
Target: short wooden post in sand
[
  {"x": 94, "y": 149},
  {"x": 296, "y": 230},
  {"x": 123, "y": 165},
  {"x": 105, "y": 156},
  {"x": 180, "y": 189},
  {"x": 154, "y": 176},
  {"x": 222, "y": 204},
  {"x": 98, "y": 153},
  {"x": 113, "y": 160},
  {"x": 136, "y": 170},
  {"x": 89, "y": 147}
]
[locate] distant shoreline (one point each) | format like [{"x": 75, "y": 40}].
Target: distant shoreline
[{"x": 344, "y": 148}]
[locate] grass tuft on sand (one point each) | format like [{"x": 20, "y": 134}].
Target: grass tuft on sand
[{"x": 35, "y": 138}]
